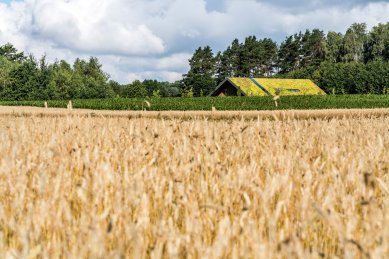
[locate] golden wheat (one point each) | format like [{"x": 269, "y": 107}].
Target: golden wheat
[
  {"x": 213, "y": 114},
  {"x": 111, "y": 185}
]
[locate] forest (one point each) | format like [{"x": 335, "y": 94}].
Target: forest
[{"x": 356, "y": 62}]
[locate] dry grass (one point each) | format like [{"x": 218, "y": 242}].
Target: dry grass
[{"x": 117, "y": 186}]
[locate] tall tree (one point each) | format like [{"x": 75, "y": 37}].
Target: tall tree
[
  {"x": 230, "y": 64},
  {"x": 377, "y": 46},
  {"x": 268, "y": 57},
  {"x": 24, "y": 82},
  {"x": 353, "y": 43},
  {"x": 91, "y": 79},
  {"x": 6, "y": 66},
  {"x": 220, "y": 68},
  {"x": 314, "y": 48},
  {"x": 334, "y": 45},
  {"x": 62, "y": 80},
  {"x": 257, "y": 57},
  {"x": 200, "y": 77},
  {"x": 290, "y": 54},
  {"x": 45, "y": 90},
  {"x": 249, "y": 56}
]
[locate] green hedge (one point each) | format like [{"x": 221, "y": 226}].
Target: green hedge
[{"x": 222, "y": 103}]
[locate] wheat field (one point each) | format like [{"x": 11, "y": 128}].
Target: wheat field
[{"x": 80, "y": 186}]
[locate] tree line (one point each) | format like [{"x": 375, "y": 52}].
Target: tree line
[
  {"x": 23, "y": 77},
  {"x": 350, "y": 63}
]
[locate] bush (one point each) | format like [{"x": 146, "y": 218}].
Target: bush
[{"x": 135, "y": 90}]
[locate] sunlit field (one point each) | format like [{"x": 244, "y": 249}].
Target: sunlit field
[{"x": 83, "y": 184}]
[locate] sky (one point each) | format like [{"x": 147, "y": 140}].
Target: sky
[{"x": 153, "y": 39}]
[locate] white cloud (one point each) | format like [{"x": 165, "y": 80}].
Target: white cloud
[
  {"x": 140, "y": 39},
  {"x": 85, "y": 25},
  {"x": 173, "y": 62},
  {"x": 169, "y": 76},
  {"x": 169, "y": 68}
]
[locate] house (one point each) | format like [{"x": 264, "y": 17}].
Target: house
[{"x": 244, "y": 86}]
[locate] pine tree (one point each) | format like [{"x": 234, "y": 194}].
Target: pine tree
[
  {"x": 289, "y": 55},
  {"x": 200, "y": 77},
  {"x": 314, "y": 48}
]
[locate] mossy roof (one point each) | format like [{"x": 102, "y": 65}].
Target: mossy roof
[{"x": 273, "y": 87}]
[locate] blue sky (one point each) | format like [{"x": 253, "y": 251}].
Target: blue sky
[{"x": 141, "y": 39}]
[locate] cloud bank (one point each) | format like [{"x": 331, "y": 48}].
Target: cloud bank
[{"x": 137, "y": 39}]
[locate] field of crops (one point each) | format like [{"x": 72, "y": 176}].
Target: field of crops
[
  {"x": 80, "y": 186},
  {"x": 224, "y": 103}
]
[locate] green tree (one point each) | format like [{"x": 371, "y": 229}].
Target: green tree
[
  {"x": 116, "y": 87},
  {"x": 220, "y": 71},
  {"x": 24, "y": 83},
  {"x": 331, "y": 78},
  {"x": 202, "y": 71},
  {"x": 268, "y": 54},
  {"x": 63, "y": 82},
  {"x": 228, "y": 63},
  {"x": 378, "y": 77},
  {"x": 354, "y": 42},
  {"x": 91, "y": 80},
  {"x": 135, "y": 90},
  {"x": 253, "y": 58},
  {"x": 289, "y": 54},
  {"x": 334, "y": 45},
  {"x": 257, "y": 57},
  {"x": 170, "y": 91},
  {"x": 155, "y": 85},
  {"x": 249, "y": 57},
  {"x": 314, "y": 48},
  {"x": 377, "y": 46},
  {"x": 45, "y": 90},
  {"x": 6, "y": 66},
  {"x": 11, "y": 53}
]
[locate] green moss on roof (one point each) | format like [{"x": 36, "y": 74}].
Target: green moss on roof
[
  {"x": 276, "y": 86},
  {"x": 247, "y": 86},
  {"x": 290, "y": 86}
]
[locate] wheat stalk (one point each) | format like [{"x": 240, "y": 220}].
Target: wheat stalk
[{"x": 114, "y": 186}]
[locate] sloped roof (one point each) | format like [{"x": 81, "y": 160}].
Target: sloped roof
[
  {"x": 247, "y": 86},
  {"x": 272, "y": 87}
]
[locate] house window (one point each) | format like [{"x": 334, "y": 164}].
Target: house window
[{"x": 293, "y": 90}]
